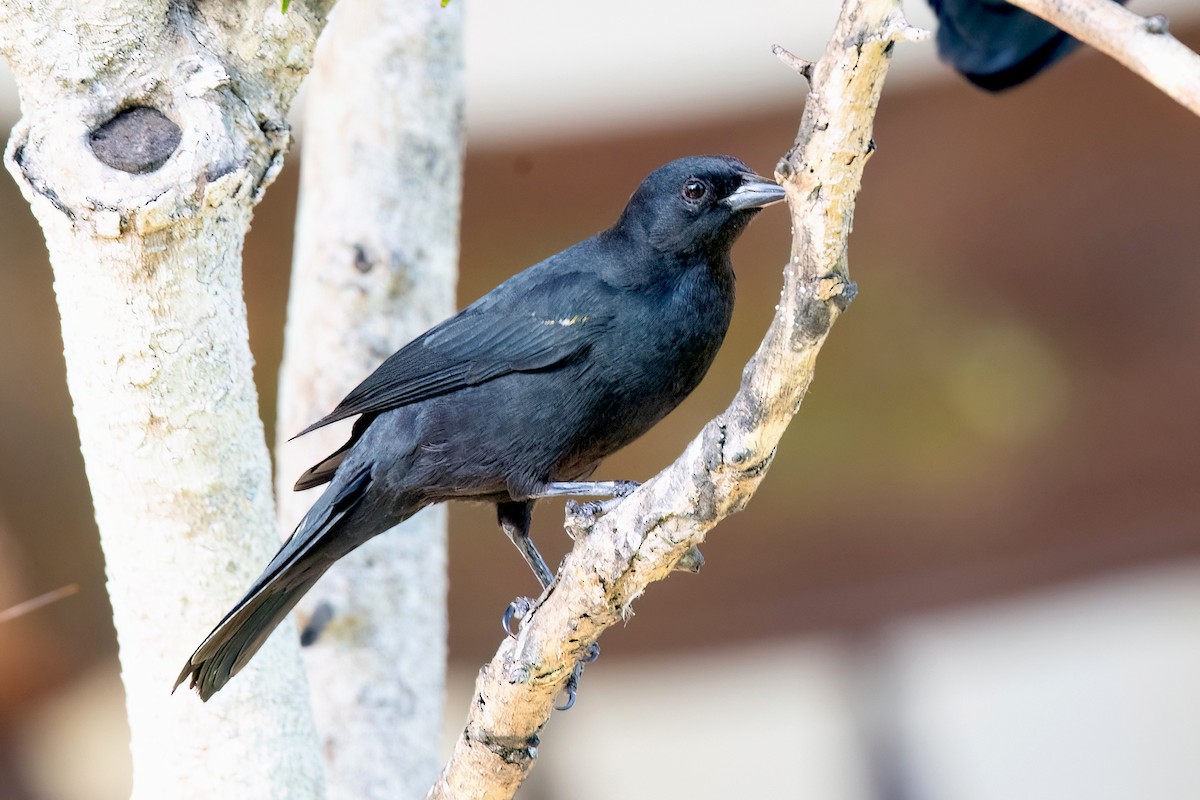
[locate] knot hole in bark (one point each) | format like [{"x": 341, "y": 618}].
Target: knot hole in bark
[{"x": 137, "y": 140}]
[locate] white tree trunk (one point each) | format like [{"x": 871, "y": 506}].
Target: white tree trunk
[
  {"x": 150, "y": 131},
  {"x": 376, "y": 257}
]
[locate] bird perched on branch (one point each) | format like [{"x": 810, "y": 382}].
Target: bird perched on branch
[
  {"x": 996, "y": 45},
  {"x": 521, "y": 394}
]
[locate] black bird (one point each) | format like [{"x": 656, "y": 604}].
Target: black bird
[
  {"x": 996, "y": 45},
  {"x": 522, "y": 393}
]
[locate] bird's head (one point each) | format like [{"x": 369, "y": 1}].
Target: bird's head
[{"x": 697, "y": 205}]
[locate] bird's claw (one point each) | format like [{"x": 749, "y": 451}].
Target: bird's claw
[
  {"x": 571, "y": 687},
  {"x": 580, "y": 518},
  {"x": 581, "y": 515},
  {"x": 517, "y": 610},
  {"x": 586, "y": 509}
]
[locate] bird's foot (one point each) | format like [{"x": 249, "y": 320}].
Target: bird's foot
[
  {"x": 581, "y": 516},
  {"x": 622, "y": 489},
  {"x": 571, "y": 689},
  {"x": 517, "y": 610}
]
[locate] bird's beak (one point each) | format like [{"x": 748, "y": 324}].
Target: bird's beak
[{"x": 755, "y": 192}]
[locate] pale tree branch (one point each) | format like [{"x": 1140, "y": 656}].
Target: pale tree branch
[
  {"x": 375, "y": 263},
  {"x": 1142, "y": 44},
  {"x": 617, "y": 555}
]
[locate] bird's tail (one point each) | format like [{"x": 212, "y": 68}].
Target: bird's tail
[{"x": 291, "y": 573}]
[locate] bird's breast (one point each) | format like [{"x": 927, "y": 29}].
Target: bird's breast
[{"x": 655, "y": 356}]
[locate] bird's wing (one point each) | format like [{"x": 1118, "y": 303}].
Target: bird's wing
[{"x": 524, "y": 328}]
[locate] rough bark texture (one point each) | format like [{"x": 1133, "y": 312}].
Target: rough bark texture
[
  {"x": 150, "y": 131},
  {"x": 618, "y": 555},
  {"x": 1142, "y": 44},
  {"x": 376, "y": 258}
]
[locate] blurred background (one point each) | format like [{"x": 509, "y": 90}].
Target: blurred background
[{"x": 973, "y": 572}]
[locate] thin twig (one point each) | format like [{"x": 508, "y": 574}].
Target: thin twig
[
  {"x": 34, "y": 603},
  {"x": 1141, "y": 44}
]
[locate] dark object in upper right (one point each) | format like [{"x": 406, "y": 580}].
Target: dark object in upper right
[{"x": 996, "y": 45}]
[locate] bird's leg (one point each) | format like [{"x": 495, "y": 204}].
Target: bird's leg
[{"x": 514, "y": 521}]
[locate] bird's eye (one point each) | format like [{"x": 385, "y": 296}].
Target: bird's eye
[{"x": 694, "y": 190}]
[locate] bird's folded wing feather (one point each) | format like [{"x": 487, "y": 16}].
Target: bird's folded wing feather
[{"x": 500, "y": 334}]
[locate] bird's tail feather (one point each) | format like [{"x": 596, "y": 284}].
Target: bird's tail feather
[
  {"x": 291, "y": 573},
  {"x": 233, "y": 643},
  {"x": 995, "y": 45}
]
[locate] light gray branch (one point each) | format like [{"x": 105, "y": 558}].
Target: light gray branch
[{"x": 619, "y": 554}]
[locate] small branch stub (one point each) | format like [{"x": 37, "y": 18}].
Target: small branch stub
[
  {"x": 901, "y": 31},
  {"x": 1157, "y": 24},
  {"x": 793, "y": 61}
]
